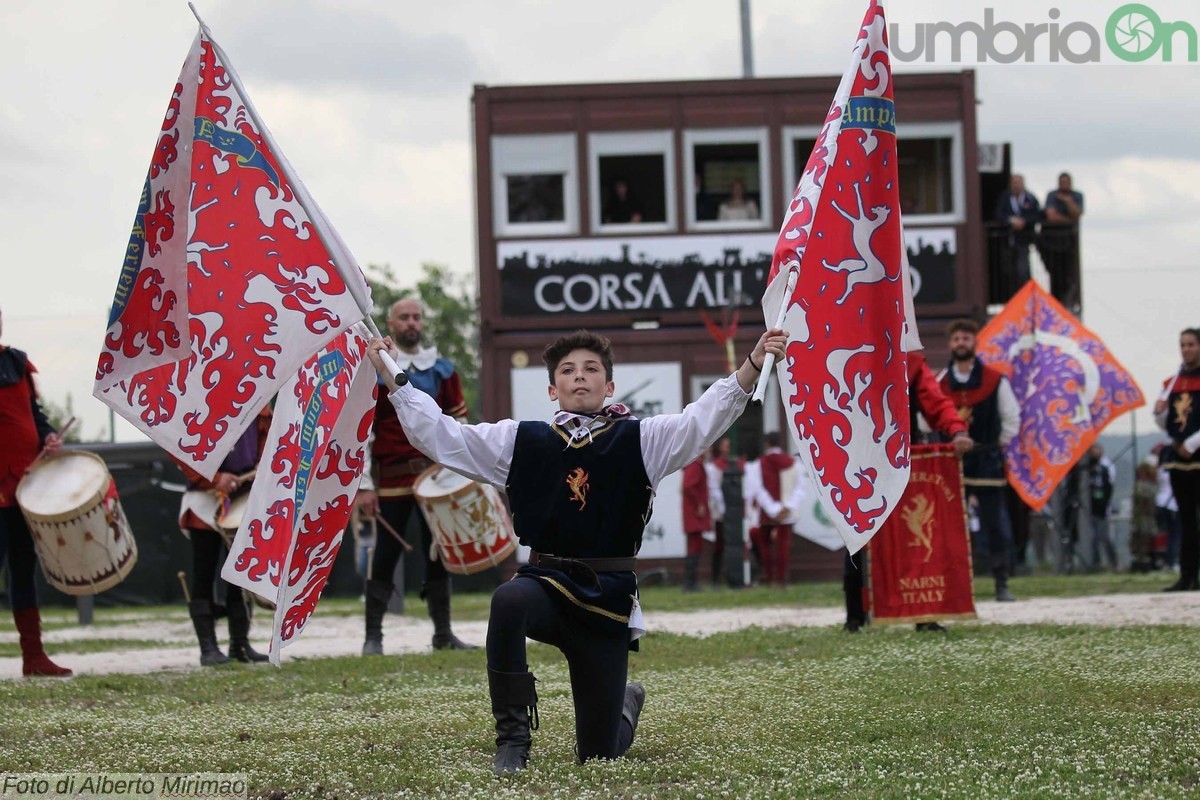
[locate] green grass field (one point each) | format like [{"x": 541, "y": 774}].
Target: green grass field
[{"x": 985, "y": 711}]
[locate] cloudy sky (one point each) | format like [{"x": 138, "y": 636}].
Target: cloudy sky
[{"x": 370, "y": 102}]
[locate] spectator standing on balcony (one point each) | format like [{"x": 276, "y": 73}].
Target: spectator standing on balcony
[
  {"x": 1059, "y": 241},
  {"x": 1064, "y": 204},
  {"x": 1177, "y": 411},
  {"x": 1020, "y": 209}
]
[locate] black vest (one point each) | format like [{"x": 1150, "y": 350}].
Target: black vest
[
  {"x": 987, "y": 460},
  {"x": 588, "y": 498}
]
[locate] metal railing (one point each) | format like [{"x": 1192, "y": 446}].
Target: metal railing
[{"x": 1055, "y": 267}]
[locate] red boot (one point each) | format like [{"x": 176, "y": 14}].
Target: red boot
[{"x": 34, "y": 658}]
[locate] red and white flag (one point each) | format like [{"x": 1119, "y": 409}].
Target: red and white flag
[
  {"x": 850, "y": 316},
  {"x": 304, "y": 489},
  {"x": 228, "y": 282}
]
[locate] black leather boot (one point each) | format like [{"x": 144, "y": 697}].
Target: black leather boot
[
  {"x": 514, "y": 705},
  {"x": 378, "y": 595},
  {"x": 239, "y": 630},
  {"x": 635, "y": 698},
  {"x": 718, "y": 563},
  {"x": 856, "y": 615},
  {"x": 437, "y": 597},
  {"x": 691, "y": 566},
  {"x": 1003, "y": 595},
  {"x": 1184, "y": 585},
  {"x": 201, "y": 612}
]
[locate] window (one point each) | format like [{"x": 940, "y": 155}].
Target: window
[
  {"x": 926, "y": 182},
  {"x": 535, "y": 198},
  {"x": 798, "y": 144},
  {"x": 630, "y": 182},
  {"x": 534, "y": 185},
  {"x": 727, "y": 179},
  {"x": 930, "y": 166}
]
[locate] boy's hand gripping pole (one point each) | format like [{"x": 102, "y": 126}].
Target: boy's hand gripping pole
[{"x": 760, "y": 390}]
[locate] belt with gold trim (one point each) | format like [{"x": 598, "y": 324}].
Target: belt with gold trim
[{"x": 537, "y": 559}]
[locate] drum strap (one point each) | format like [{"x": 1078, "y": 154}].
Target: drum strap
[{"x": 537, "y": 559}]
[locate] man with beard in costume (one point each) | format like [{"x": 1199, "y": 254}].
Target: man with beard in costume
[
  {"x": 985, "y": 401},
  {"x": 386, "y": 488}
]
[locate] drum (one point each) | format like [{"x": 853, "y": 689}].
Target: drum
[
  {"x": 230, "y": 519},
  {"x": 470, "y": 525},
  {"x": 79, "y": 528}
]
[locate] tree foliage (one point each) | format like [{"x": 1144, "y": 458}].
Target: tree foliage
[
  {"x": 451, "y": 317},
  {"x": 59, "y": 415}
]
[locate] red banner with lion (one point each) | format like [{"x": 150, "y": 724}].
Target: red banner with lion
[{"x": 920, "y": 561}]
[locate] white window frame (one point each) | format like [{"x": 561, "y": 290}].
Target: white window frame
[
  {"x": 759, "y": 136},
  {"x": 958, "y": 194},
  {"x": 915, "y": 130},
  {"x": 790, "y": 134},
  {"x": 533, "y": 155},
  {"x": 631, "y": 143}
]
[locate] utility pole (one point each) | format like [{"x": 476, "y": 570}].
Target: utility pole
[{"x": 747, "y": 45}]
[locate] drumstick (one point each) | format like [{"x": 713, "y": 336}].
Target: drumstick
[
  {"x": 407, "y": 547},
  {"x": 43, "y": 452},
  {"x": 187, "y": 595},
  {"x": 238, "y": 481}
]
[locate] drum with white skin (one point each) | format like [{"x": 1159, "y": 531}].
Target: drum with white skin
[
  {"x": 80, "y": 531},
  {"x": 471, "y": 527}
]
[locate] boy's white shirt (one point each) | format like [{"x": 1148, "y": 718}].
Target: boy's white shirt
[{"x": 483, "y": 452}]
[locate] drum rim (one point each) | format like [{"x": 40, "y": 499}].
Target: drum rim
[
  {"x": 450, "y": 495},
  {"x": 79, "y": 510}
]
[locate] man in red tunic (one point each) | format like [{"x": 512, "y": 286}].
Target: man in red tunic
[
  {"x": 386, "y": 488},
  {"x": 26, "y": 432},
  {"x": 697, "y": 519},
  {"x": 772, "y": 499}
]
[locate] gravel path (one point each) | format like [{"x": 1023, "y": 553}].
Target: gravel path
[{"x": 340, "y": 635}]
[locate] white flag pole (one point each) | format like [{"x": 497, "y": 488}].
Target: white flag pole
[
  {"x": 760, "y": 390},
  {"x": 342, "y": 260}
]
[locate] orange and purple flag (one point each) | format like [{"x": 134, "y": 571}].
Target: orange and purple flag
[{"x": 1068, "y": 384}]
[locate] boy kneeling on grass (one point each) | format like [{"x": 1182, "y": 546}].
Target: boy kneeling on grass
[{"x": 580, "y": 490}]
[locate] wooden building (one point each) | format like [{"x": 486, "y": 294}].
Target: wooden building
[{"x": 635, "y": 209}]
